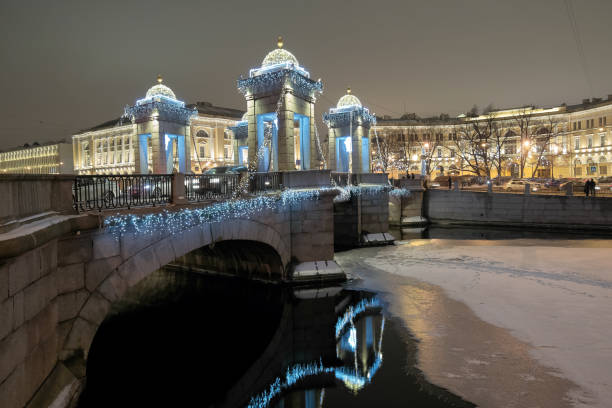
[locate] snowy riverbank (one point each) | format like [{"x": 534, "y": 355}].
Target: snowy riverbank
[{"x": 555, "y": 296}]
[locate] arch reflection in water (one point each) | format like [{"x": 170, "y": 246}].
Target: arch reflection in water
[
  {"x": 182, "y": 339},
  {"x": 358, "y": 332}
]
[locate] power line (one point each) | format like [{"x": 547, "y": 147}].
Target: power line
[{"x": 581, "y": 55}]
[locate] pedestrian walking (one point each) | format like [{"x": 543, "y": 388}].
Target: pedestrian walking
[
  {"x": 587, "y": 188},
  {"x": 450, "y": 182},
  {"x": 592, "y": 187}
]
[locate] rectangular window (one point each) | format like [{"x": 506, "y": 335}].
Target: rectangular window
[
  {"x": 590, "y": 141},
  {"x": 600, "y": 122},
  {"x": 574, "y": 125},
  {"x": 227, "y": 151},
  {"x": 578, "y": 171},
  {"x": 602, "y": 139},
  {"x": 439, "y": 152},
  {"x": 119, "y": 148},
  {"x": 603, "y": 169},
  {"x": 579, "y": 124},
  {"x": 577, "y": 142},
  {"x": 202, "y": 151},
  {"x": 452, "y": 153}
]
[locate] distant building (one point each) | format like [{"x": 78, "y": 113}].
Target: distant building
[
  {"x": 46, "y": 158},
  {"x": 158, "y": 134},
  {"x": 562, "y": 141}
]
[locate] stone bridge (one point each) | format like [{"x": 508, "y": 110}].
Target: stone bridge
[{"x": 61, "y": 272}]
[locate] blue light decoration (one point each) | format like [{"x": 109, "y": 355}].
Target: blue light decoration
[
  {"x": 159, "y": 103},
  {"x": 302, "y": 86},
  {"x": 347, "y": 115},
  {"x": 351, "y": 377},
  {"x": 174, "y": 222},
  {"x": 353, "y": 311},
  {"x": 292, "y": 376},
  {"x": 346, "y": 192},
  {"x": 400, "y": 192}
]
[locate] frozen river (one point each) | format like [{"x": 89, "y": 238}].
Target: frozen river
[{"x": 506, "y": 322}]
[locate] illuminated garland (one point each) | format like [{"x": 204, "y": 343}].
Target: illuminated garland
[
  {"x": 357, "y": 116},
  {"x": 346, "y": 192},
  {"x": 400, "y": 192},
  {"x": 292, "y": 376},
  {"x": 353, "y": 311},
  {"x": 302, "y": 86},
  {"x": 174, "y": 222},
  {"x": 164, "y": 109}
]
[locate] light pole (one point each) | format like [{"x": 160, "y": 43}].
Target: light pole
[
  {"x": 524, "y": 152},
  {"x": 555, "y": 150},
  {"x": 424, "y": 171}
]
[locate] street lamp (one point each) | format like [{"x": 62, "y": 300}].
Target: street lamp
[{"x": 555, "y": 151}]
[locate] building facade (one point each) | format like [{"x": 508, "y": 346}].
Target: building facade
[
  {"x": 563, "y": 141},
  {"x": 46, "y": 158},
  {"x": 158, "y": 134}
]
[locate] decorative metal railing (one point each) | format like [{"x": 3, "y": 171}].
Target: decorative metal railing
[
  {"x": 103, "y": 192},
  {"x": 201, "y": 187},
  {"x": 265, "y": 181}
]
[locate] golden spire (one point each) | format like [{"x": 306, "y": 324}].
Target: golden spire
[
  {"x": 279, "y": 42},
  {"x": 159, "y": 79},
  {"x": 348, "y": 90}
]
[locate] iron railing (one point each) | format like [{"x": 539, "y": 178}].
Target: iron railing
[
  {"x": 265, "y": 181},
  {"x": 103, "y": 192},
  {"x": 203, "y": 187}
]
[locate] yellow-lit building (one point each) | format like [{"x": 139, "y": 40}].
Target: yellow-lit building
[
  {"x": 562, "y": 141},
  {"x": 158, "y": 134},
  {"x": 46, "y": 158}
]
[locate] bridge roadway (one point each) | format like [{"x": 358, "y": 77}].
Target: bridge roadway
[{"x": 61, "y": 272}]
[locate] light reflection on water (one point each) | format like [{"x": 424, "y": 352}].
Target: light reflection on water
[{"x": 221, "y": 342}]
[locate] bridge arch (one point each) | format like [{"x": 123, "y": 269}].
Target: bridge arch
[{"x": 141, "y": 256}]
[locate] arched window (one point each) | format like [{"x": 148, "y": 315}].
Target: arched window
[{"x": 204, "y": 144}]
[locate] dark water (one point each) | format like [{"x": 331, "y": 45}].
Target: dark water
[{"x": 181, "y": 339}]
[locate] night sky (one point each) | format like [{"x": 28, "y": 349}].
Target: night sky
[{"x": 69, "y": 65}]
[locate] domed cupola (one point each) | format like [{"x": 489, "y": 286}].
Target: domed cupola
[
  {"x": 348, "y": 100},
  {"x": 160, "y": 90},
  {"x": 279, "y": 56}
]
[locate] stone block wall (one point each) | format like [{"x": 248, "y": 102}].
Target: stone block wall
[
  {"x": 29, "y": 316},
  {"x": 312, "y": 229},
  {"x": 555, "y": 211},
  {"x": 28, "y": 194},
  {"x": 374, "y": 212},
  {"x": 401, "y": 207}
]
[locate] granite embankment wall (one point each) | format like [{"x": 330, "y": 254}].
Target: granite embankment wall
[{"x": 503, "y": 209}]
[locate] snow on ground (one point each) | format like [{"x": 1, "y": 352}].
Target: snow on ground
[{"x": 554, "y": 295}]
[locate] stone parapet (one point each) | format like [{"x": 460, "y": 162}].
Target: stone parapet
[
  {"x": 503, "y": 209},
  {"x": 24, "y": 195}
]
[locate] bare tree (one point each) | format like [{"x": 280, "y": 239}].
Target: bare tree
[
  {"x": 542, "y": 138},
  {"x": 524, "y": 122},
  {"x": 429, "y": 144},
  {"x": 390, "y": 148}
]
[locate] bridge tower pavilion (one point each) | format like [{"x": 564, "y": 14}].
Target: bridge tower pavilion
[
  {"x": 162, "y": 131},
  {"x": 349, "y": 135},
  {"x": 280, "y": 114}
]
